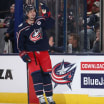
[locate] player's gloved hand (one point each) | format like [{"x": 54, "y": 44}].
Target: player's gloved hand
[
  {"x": 25, "y": 57},
  {"x": 45, "y": 10}
]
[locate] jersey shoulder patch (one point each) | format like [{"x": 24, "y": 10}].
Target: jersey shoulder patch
[{"x": 39, "y": 20}]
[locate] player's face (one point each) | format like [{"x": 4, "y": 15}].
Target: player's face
[{"x": 31, "y": 15}]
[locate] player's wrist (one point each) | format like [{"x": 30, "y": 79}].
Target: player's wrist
[
  {"x": 22, "y": 53},
  {"x": 24, "y": 56}
]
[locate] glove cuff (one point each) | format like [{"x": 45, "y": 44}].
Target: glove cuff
[
  {"x": 46, "y": 15},
  {"x": 22, "y": 53}
]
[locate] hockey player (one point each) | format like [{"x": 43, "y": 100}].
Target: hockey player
[{"x": 33, "y": 49}]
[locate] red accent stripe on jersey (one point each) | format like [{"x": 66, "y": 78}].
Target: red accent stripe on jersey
[{"x": 22, "y": 53}]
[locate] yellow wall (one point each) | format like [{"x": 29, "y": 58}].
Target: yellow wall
[
  {"x": 77, "y": 99},
  {"x": 21, "y": 98}
]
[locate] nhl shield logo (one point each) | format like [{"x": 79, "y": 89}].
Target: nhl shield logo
[{"x": 63, "y": 73}]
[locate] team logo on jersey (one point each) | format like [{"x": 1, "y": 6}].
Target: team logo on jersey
[
  {"x": 36, "y": 35},
  {"x": 39, "y": 23},
  {"x": 63, "y": 73}
]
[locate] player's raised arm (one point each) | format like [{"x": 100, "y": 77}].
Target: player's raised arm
[{"x": 49, "y": 21}]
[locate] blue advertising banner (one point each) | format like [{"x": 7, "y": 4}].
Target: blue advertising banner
[{"x": 92, "y": 80}]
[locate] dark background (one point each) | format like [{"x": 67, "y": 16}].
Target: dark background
[{"x": 4, "y": 7}]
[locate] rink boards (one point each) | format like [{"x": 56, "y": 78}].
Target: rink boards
[
  {"x": 20, "y": 98},
  {"x": 77, "y": 79}
]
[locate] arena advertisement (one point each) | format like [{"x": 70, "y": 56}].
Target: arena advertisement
[
  {"x": 75, "y": 78},
  {"x": 13, "y": 79},
  {"x": 70, "y": 73},
  {"x": 78, "y": 77}
]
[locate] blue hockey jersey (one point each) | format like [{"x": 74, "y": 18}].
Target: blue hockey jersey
[{"x": 33, "y": 37}]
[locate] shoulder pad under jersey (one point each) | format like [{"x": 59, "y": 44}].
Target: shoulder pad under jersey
[{"x": 39, "y": 20}]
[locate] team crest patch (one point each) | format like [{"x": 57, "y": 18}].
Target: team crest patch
[
  {"x": 39, "y": 23},
  {"x": 36, "y": 35},
  {"x": 63, "y": 73}
]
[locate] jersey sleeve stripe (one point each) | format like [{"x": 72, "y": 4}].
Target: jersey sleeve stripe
[
  {"x": 18, "y": 34},
  {"x": 39, "y": 19}
]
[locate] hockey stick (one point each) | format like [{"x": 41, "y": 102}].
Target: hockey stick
[{"x": 27, "y": 82}]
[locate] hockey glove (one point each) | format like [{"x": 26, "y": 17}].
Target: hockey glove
[
  {"x": 45, "y": 10},
  {"x": 25, "y": 57}
]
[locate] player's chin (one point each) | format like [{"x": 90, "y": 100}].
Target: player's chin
[{"x": 32, "y": 18}]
